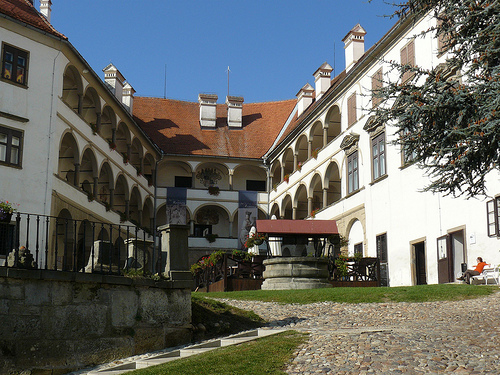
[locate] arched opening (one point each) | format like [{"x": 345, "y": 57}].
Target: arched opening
[
  {"x": 91, "y": 108},
  {"x": 275, "y": 210},
  {"x": 286, "y": 208},
  {"x": 136, "y": 154},
  {"x": 301, "y": 150},
  {"x": 175, "y": 173},
  {"x": 88, "y": 173},
  {"x": 149, "y": 167},
  {"x": 86, "y": 234},
  {"x": 316, "y": 191},
  {"x": 287, "y": 163},
  {"x": 333, "y": 184},
  {"x": 108, "y": 124},
  {"x": 135, "y": 207},
  {"x": 249, "y": 177},
  {"x": 356, "y": 238},
  {"x": 301, "y": 203},
  {"x": 212, "y": 174},
  {"x": 122, "y": 139},
  {"x": 105, "y": 185},
  {"x": 211, "y": 219},
  {"x": 121, "y": 196},
  {"x": 64, "y": 241},
  {"x": 68, "y": 160},
  {"x": 276, "y": 177},
  {"x": 72, "y": 88},
  {"x": 316, "y": 136},
  {"x": 147, "y": 214},
  {"x": 333, "y": 123}
]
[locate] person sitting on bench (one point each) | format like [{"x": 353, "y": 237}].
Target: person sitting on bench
[{"x": 476, "y": 271}]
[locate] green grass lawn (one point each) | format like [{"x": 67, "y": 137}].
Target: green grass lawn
[
  {"x": 267, "y": 355},
  {"x": 419, "y": 293}
]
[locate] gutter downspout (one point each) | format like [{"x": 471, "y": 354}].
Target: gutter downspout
[{"x": 154, "y": 213}]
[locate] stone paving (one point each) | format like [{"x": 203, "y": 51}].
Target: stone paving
[{"x": 461, "y": 337}]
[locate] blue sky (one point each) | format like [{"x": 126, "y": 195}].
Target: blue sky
[{"x": 271, "y": 46}]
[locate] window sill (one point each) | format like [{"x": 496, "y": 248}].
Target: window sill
[
  {"x": 379, "y": 179},
  {"x": 20, "y": 85},
  {"x": 15, "y": 166},
  {"x": 409, "y": 164},
  {"x": 354, "y": 192}
]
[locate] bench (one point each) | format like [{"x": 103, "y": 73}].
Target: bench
[{"x": 489, "y": 273}]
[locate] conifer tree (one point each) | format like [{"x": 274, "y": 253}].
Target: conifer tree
[{"x": 448, "y": 118}]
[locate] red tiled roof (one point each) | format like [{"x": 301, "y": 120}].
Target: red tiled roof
[
  {"x": 312, "y": 227},
  {"x": 24, "y": 11},
  {"x": 175, "y": 127}
]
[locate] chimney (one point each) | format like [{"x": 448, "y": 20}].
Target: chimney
[
  {"x": 234, "y": 111},
  {"x": 128, "y": 96},
  {"x": 322, "y": 79},
  {"x": 208, "y": 110},
  {"x": 354, "y": 46},
  {"x": 304, "y": 98},
  {"x": 45, "y": 8},
  {"x": 114, "y": 80}
]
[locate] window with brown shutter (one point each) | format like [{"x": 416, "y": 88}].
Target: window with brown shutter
[
  {"x": 376, "y": 85},
  {"x": 408, "y": 58},
  {"x": 351, "y": 110}
]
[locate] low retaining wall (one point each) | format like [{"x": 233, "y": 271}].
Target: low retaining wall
[
  {"x": 52, "y": 320},
  {"x": 295, "y": 273}
]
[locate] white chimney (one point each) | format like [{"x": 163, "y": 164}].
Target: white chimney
[
  {"x": 114, "y": 80},
  {"x": 45, "y": 8},
  {"x": 208, "y": 109},
  {"x": 304, "y": 98},
  {"x": 354, "y": 46},
  {"x": 128, "y": 96},
  {"x": 322, "y": 79},
  {"x": 234, "y": 111}
]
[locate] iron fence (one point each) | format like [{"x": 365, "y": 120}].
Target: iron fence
[{"x": 64, "y": 244}]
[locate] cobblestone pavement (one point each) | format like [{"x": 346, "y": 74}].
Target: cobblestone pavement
[{"x": 461, "y": 337}]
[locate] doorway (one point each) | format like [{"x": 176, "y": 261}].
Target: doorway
[
  {"x": 419, "y": 256},
  {"x": 451, "y": 254}
]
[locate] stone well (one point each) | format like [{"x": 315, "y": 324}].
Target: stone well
[{"x": 295, "y": 273}]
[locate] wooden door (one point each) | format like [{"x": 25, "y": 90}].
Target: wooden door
[
  {"x": 445, "y": 260},
  {"x": 420, "y": 273}
]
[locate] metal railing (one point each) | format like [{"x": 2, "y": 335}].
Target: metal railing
[{"x": 35, "y": 241}]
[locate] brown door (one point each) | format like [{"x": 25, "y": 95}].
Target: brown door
[
  {"x": 445, "y": 260},
  {"x": 420, "y": 274}
]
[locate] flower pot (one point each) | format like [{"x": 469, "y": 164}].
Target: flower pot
[{"x": 5, "y": 218}]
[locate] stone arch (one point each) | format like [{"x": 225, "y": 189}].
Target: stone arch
[
  {"x": 316, "y": 192},
  {"x": 89, "y": 173},
  {"x": 69, "y": 159},
  {"x": 333, "y": 123},
  {"x": 301, "y": 149},
  {"x": 136, "y": 154},
  {"x": 212, "y": 217},
  {"x": 212, "y": 174},
  {"x": 91, "y": 108},
  {"x": 169, "y": 170},
  {"x": 123, "y": 138},
  {"x": 105, "y": 184},
  {"x": 355, "y": 234},
  {"x": 333, "y": 183},
  {"x": 287, "y": 208},
  {"x": 148, "y": 213},
  {"x": 275, "y": 210},
  {"x": 121, "y": 195},
  {"x": 243, "y": 173},
  {"x": 72, "y": 88},
  {"x": 149, "y": 168},
  {"x": 135, "y": 207},
  {"x": 276, "y": 176},
  {"x": 64, "y": 241},
  {"x": 301, "y": 203},
  {"x": 108, "y": 124},
  {"x": 287, "y": 162},
  {"x": 316, "y": 136}
]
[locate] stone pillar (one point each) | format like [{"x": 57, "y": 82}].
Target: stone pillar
[
  {"x": 80, "y": 104},
  {"x": 193, "y": 179},
  {"x": 309, "y": 205},
  {"x": 111, "y": 198},
  {"x": 77, "y": 175},
  {"x": 325, "y": 197},
  {"x": 191, "y": 227},
  {"x": 282, "y": 172},
  {"x": 325, "y": 137},
  {"x": 230, "y": 179},
  {"x": 98, "y": 123},
  {"x": 294, "y": 213},
  {"x": 174, "y": 243},
  {"x": 295, "y": 161},
  {"x": 129, "y": 151},
  {"x": 230, "y": 229},
  {"x": 309, "y": 149}
]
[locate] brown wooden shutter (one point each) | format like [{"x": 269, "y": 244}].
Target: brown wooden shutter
[
  {"x": 408, "y": 57},
  {"x": 376, "y": 85},
  {"x": 351, "y": 110}
]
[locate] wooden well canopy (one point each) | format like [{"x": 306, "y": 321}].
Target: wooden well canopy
[{"x": 302, "y": 228}]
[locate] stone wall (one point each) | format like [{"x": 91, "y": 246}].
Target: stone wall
[{"x": 60, "y": 321}]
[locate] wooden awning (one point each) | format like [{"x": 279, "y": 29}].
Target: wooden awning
[{"x": 313, "y": 228}]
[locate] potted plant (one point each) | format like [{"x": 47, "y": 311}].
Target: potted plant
[
  {"x": 255, "y": 240},
  {"x": 299, "y": 166},
  {"x": 315, "y": 153},
  {"x": 112, "y": 145},
  {"x": 6, "y": 211},
  {"x": 314, "y": 212},
  {"x": 286, "y": 178}
]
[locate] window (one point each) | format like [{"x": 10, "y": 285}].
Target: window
[
  {"x": 376, "y": 85},
  {"x": 351, "y": 110},
  {"x": 184, "y": 182},
  {"x": 407, "y": 155},
  {"x": 10, "y": 146},
  {"x": 408, "y": 58},
  {"x": 352, "y": 173},
  {"x": 378, "y": 156},
  {"x": 14, "y": 65},
  {"x": 493, "y": 212},
  {"x": 256, "y": 185},
  {"x": 358, "y": 248}
]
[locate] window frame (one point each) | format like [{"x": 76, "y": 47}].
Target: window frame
[
  {"x": 408, "y": 59},
  {"x": 377, "y": 84},
  {"x": 493, "y": 216},
  {"x": 9, "y": 132},
  {"x": 351, "y": 110},
  {"x": 16, "y": 52},
  {"x": 352, "y": 171},
  {"x": 379, "y": 159}
]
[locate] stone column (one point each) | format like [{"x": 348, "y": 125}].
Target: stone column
[
  {"x": 282, "y": 172},
  {"x": 98, "y": 123},
  {"x": 95, "y": 189},
  {"x": 111, "y": 198},
  {"x": 325, "y": 137},
  {"x": 193, "y": 179},
  {"x": 309, "y": 205},
  {"x": 174, "y": 243},
  {"x": 191, "y": 227},
  {"x": 309, "y": 149},
  {"x": 129, "y": 151},
  {"x": 230, "y": 229},
  {"x": 295, "y": 161},
  {"x": 294, "y": 213},
  {"x": 80, "y": 104},
  {"x": 325, "y": 197},
  {"x": 231, "y": 179}
]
